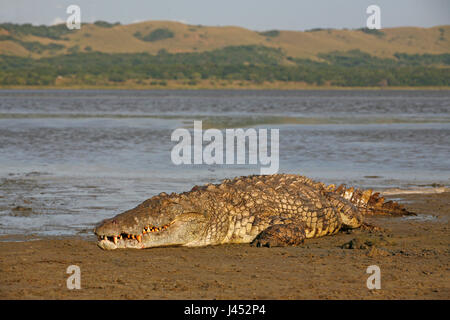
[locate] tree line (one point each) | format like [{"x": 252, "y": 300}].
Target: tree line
[{"x": 247, "y": 63}]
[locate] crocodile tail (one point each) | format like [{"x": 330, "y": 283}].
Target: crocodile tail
[{"x": 370, "y": 203}]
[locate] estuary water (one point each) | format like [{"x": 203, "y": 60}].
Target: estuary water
[{"x": 70, "y": 158}]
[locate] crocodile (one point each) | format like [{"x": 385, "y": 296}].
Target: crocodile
[{"x": 263, "y": 210}]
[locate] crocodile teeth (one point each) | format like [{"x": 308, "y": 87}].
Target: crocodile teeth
[
  {"x": 115, "y": 239},
  {"x": 139, "y": 238}
]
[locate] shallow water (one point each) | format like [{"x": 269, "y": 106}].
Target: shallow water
[{"x": 69, "y": 159}]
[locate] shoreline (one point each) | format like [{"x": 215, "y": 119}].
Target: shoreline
[
  {"x": 412, "y": 254},
  {"x": 270, "y": 87}
]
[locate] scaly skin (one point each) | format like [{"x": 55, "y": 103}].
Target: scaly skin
[{"x": 276, "y": 210}]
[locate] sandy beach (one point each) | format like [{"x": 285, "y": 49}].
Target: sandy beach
[{"x": 412, "y": 253}]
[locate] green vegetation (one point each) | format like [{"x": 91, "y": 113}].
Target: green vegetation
[
  {"x": 270, "y": 33},
  {"x": 74, "y": 49},
  {"x": 105, "y": 24},
  {"x": 256, "y": 64},
  {"x": 441, "y": 34},
  {"x": 38, "y": 47},
  {"x": 53, "y": 32},
  {"x": 319, "y": 29},
  {"x": 374, "y": 32},
  {"x": 155, "y": 35},
  {"x": 357, "y": 58},
  {"x": 424, "y": 59},
  {"x": 34, "y": 46}
]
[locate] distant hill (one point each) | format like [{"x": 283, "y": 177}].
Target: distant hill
[
  {"x": 152, "y": 36},
  {"x": 170, "y": 54}
]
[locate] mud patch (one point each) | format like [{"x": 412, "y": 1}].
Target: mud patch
[{"x": 20, "y": 211}]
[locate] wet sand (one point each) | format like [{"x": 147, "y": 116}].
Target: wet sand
[{"x": 413, "y": 255}]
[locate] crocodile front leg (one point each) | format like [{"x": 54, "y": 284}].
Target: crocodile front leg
[{"x": 281, "y": 235}]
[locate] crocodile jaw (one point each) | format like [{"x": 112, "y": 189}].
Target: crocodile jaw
[{"x": 183, "y": 230}]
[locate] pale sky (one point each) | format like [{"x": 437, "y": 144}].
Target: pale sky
[{"x": 251, "y": 14}]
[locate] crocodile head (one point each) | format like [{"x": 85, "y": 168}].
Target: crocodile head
[{"x": 160, "y": 221}]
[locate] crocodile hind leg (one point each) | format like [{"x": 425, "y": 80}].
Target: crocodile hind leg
[{"x": 280, "y": 235}]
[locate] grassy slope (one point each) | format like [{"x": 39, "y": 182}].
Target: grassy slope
[{"x": 189, "y": 38}]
